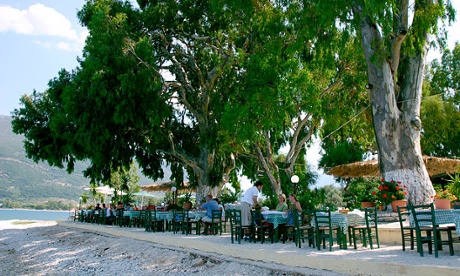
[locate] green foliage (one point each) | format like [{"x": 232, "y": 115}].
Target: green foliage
[
  {"x": 360, "y": 190},
  {"x": 454, "y": 185},
  {"x": 334, "y": 197},
  {"x": 51, "y": 204},
  {"x": 342, "y": 152},
  {"x": 185, "y": 198},
  {"x": 312, "y": 199},
  {"x": 439, "y": 112},
  {"x": 229, "y": 196}
]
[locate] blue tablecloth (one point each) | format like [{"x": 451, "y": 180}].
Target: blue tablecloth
[
  {"x": 343, "y": 220},
  {"x": 275, "y": 217},
  {"x": 132, "y": 214},
  {"x": 449, "y": 216}
]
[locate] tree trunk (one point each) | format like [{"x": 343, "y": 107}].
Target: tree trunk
[{"x": 397, "y": 124}]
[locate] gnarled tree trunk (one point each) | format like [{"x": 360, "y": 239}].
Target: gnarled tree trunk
[{"x": 395, "y": 103}]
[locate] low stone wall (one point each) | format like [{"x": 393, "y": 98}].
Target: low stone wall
[{"x": 388, "y": 217}]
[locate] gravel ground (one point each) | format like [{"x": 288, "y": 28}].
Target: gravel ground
[
  {"x": 73, "y": 248},
  {"x": 44, "y": 248}
]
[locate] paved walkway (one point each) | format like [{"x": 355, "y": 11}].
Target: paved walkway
[{"x": 388, "y": 260}]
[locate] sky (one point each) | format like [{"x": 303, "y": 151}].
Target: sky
[{"x": 40, "y": 37}]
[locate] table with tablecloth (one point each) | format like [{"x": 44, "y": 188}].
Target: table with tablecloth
[
  {"x": 168, "y": 216},
  {"x": 132, "y": 214},
  {"x": 232, "y": 206},
  {"x": 343, "y": 220},
  {"x": 276, "y": 218},
  {"x": 449, "y": 216}
]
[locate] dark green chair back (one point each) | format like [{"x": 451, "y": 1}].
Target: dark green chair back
[
  {"x": 407, "y": 231},
  {"x": 236, "y": 229},
  {"x": 425, "y": 222}
]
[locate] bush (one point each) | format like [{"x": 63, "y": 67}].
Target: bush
[{"x": 360, "y": 190}]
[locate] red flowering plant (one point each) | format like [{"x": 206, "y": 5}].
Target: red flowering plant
[{"x": 389, "y": 191}]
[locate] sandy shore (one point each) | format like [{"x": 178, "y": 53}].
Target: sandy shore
[{"x": 73, "y": 248}]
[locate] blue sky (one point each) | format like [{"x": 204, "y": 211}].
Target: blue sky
[
  {"x": 37, "y": 39},
  {"x": 40, "y": 37}
]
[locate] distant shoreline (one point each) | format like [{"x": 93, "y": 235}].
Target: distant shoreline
[
  {"x": 45, "y": 210},
  {"x": 31, "y": 214}
]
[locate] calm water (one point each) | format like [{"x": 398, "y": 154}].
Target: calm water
[{"x": 10, "y": 214}]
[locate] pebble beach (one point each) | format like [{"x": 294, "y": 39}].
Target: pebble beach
[{"x": 74, "y": 248}]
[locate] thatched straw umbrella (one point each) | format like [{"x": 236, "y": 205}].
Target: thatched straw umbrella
[
  {"x": 434, "y": 165},
  {"x": 166, "y": 187}
]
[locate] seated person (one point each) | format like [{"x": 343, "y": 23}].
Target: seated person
[
  {"x": 110, "y": 217},
  {"x": 294, "y": 209},
  {"x": 209, "y": 206},
  {"x": 129, "y": 207},
  {"x": 120, "y": 206},
  {"x": 282, "y": 206}
]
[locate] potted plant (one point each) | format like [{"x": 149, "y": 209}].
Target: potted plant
[
  {"x": 361, "y": 193},
  {"x": 443, "y": 198},
  {"x": 185, "y": 200},
  {"x": 392, "y": 192},
  {"x": 454, "y": 188}
]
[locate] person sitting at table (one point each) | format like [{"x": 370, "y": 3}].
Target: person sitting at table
[
  {"x": 209, "y": 206},
  {"x": 129, "y": 207},
  {"x": 110, "y": 217},
  {"x": 282, "y": 206},
  {"x": 294, "y": 208},
  {"x": 120, "y": 206}
]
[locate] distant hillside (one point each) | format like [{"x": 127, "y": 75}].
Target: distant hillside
[{"x": 23, "y": 181}]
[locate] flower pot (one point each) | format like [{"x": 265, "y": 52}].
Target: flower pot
[
  {"x": 442, "y": 203},
  {"x": 381, "y": 208},
  {"x": 187, "y": 206},
  {"x": 366, "y": 204},
  {"x": 396, "y": 203}
]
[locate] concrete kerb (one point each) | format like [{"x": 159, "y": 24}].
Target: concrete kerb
[{"x": 285, "y": 255}]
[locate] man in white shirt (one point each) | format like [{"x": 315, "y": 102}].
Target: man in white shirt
[{"x": 249, "y": 199}]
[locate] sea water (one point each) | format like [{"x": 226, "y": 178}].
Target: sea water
[{"x": 22, "y": 214}]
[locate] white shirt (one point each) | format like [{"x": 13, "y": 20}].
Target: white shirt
[{"x": 250, "y": 194}]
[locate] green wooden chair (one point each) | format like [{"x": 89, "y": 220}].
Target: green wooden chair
[
  {"x": 216, "y": 222},
  {"x": 425, "y": 222},
  {"x": 368, "y": 232},
  {"x": 324, "y": 229},
  {"x": 259, "y": 228},
  {"x": 301, "y": 229},
  {"x": 152, "y": 223},
  {"x": 407, "y": 231},
  {"x": 102, "y": 219},
  {"x": 236, "y": 229}
]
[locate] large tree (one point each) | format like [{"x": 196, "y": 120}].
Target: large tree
[
  {"x": 150, "y": 87},
  {"x": 293, "y": 79},
  {"x": 395, "y": 41}
]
